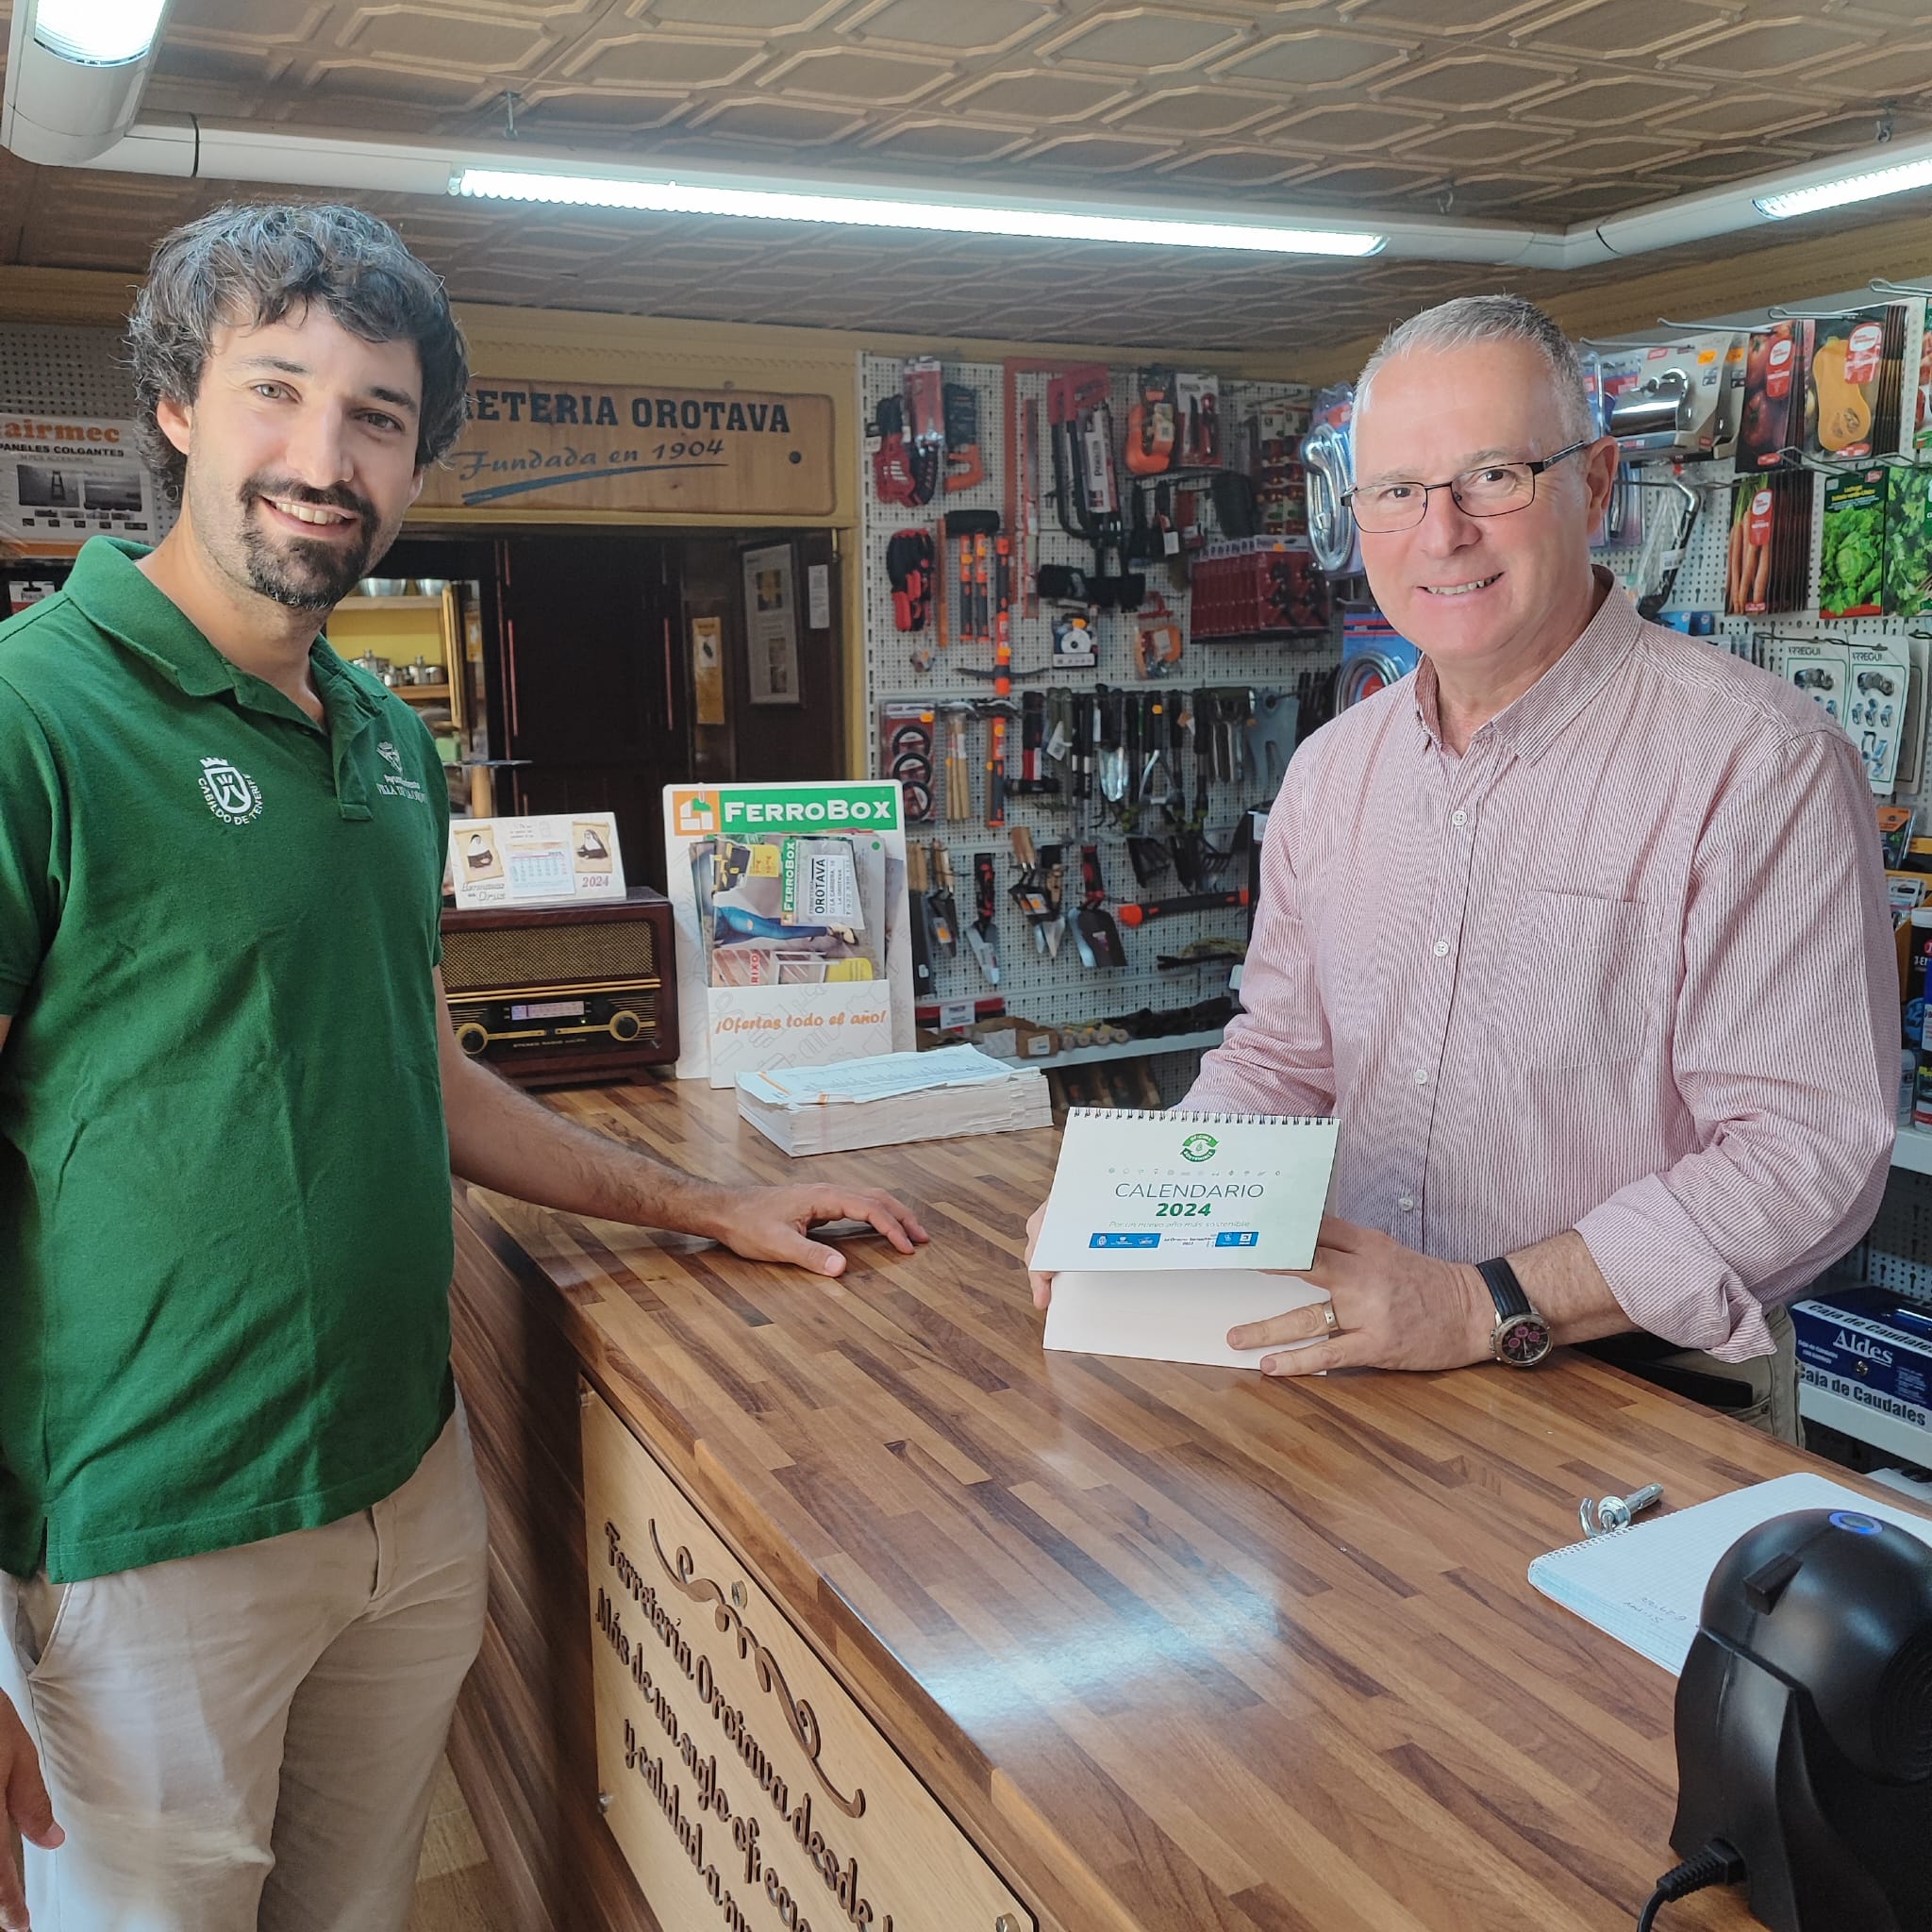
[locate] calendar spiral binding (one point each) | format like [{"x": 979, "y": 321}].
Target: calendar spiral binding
[{"x": 1216, "y": 1120}]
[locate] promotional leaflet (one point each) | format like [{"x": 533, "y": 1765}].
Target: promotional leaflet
[
  {"x": 1144, "y": 1192},
  {"x": 562, "y": 859},
  {"x": 793, "y": 948}
]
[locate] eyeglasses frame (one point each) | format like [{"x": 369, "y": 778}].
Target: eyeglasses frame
[{"x": 1535, "y": 465}]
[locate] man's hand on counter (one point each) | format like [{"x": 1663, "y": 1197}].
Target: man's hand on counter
[
  {"x": 1398, "y": 1309},
  {"x": 773, "y": 1224}
]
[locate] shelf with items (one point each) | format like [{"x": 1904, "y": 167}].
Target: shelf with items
[
  {"x": 420, "y": 694},
  {"x": 349, "y": 606},
  {"x": 1130, "y": 1049}
]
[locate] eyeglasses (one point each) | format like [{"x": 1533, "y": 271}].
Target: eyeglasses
[{"x": 1491, "y": 490}]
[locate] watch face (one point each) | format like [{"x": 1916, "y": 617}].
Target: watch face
[{"x": 1523, "y": 1341}]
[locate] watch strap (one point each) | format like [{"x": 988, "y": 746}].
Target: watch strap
[{"x": 1504, "y": 1289}]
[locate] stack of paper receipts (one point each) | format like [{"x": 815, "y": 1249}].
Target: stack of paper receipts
[{"x": 894, "y": 1097}]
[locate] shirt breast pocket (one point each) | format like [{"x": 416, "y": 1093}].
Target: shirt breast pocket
[{"x": 1579, "y": 985}]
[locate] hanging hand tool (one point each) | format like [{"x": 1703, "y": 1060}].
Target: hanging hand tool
[
  {"x": 1138, "y": 914},
  {"x": 965, "y": 526},
  {"x": 942, "y": 910},
  {"x": 1026, "y": 890},
  {"x": 891, "y": 472},
  {"x": 1100, "y": 938},
  {"x": 1026, "y": 517},
  {"x": 923, "y": 382},
  {"x": 1158, "y": 645},
  {"x": 1156, "y": 789},
  {"x": 1270, "y": 736},
  {"x": 1151, "y": 424},
  {"x": 909, "y": 567},
  {"x": 1053, "y": 886},
  {"x": 983, "y": 935},
  {"x": 965, "y": 466},
  {"x": 1086, "y": 493},
  {"x": 918, "y": 883},
  {"x": 958, "y": 799}
]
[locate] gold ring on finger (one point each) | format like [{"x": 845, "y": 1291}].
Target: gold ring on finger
[{"x": 1333, "y": 1327}]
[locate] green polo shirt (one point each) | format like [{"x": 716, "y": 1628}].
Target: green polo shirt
[{"x": 224, "y": 1221}]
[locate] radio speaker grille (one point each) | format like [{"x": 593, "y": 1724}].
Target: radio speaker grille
[{"x": 549, "y": 956}]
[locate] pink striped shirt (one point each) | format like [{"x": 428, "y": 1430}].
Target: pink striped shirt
[{"x": 1625, "y": 967}]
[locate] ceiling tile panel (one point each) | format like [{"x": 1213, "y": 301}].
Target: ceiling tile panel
[
  {"x": 1628, "y": 100},
  {"x": 989, "y": 26},
  {"x": 1348, "y": 130},
  {"x": 1147, "y": 39},
  {"x": 1624, "y": 29},
  {"x": 656, "y": 62},
  {"x": 1792, "y": 44},
  {"x": 1480, "y": 83},
  {"x": 1314, "y": 58},
  {"x": 862, "y": 79}
]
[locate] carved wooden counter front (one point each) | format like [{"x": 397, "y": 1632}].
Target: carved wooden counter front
[{"x": 1134, "y": 1647}]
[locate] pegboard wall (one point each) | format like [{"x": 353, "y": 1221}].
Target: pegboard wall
[
  {"x": 1057, "y": 990},
  {"x": 80, "y": 372}
]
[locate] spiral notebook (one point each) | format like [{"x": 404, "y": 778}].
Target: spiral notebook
[
  {"x": 1144, "y": 1193},
  {"x": 1644, "y": 1585}
]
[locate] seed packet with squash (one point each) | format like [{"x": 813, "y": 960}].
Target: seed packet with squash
[
  {"x": 1851, "y": 564},
  {"x": 1848, "y": 379}
]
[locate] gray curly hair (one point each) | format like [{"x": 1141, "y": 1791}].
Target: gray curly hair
[{"x": 251, "y": 266}]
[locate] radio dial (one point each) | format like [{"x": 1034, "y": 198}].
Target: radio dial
[
  {"x": 625, "y": 1024},
  {"x": 472, "y": 1037}
]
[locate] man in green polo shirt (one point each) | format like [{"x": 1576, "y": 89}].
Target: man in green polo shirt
[{"x": 242, "y": 1536}]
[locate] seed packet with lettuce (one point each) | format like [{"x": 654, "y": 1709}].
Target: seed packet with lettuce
[
  {"x": 1851, "y": 567},
  {"x": 1908, "y": 544}
]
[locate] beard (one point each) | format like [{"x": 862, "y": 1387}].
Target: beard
[{"x": 303, "y": 575}]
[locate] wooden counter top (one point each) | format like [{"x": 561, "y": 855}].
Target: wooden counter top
[{"x": 1179, "y": 1647}]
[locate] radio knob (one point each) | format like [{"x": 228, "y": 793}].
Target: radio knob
[
  {"x": 625, "y": 1024},
  {"x": 472, "y": 1037}
]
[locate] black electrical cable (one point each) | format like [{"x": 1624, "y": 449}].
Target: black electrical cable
[{"x": 1716, "y": 1864}]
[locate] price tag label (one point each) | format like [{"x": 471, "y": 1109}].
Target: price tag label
[{"x": 955, "y": 1014}]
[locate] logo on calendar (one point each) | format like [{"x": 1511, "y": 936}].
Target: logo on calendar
[
  {"x": 232, "y": 795},
  {"x": 1199, "y": 1148}
]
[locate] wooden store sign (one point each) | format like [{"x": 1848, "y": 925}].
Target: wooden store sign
[
  {"x": 746, "y": 1787},
  {"x": 531, "y": 446}
]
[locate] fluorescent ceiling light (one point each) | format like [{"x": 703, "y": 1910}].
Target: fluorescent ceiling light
[
  {"x": 1807, "y": 201},
  {"x": 98, "y": 33},
  {"x": 872, "y": 211}
]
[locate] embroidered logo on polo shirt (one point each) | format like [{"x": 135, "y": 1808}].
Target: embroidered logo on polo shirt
[
  {"x": 398, "y": 785},
  {"x": 232, "y": 795}
]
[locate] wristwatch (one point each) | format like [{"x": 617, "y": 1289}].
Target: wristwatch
[{"x": 1520, "y": 1336}]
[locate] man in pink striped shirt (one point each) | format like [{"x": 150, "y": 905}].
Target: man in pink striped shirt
[{"x": 1580, "y": 931}]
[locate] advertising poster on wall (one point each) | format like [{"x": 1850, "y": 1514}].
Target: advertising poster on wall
[
  {"x": 64, "y": 479},
  {"x": 770, "y": 625}
]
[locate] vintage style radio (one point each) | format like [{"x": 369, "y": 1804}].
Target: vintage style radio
[{"x": 555, "y": 996}]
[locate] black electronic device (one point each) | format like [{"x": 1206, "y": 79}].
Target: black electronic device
[{"x": 1804, "y": 1723}]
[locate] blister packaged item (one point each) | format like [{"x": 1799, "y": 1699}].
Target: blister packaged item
[
  {"x": 1822, "y": 671},
  {"x": 1875, "y": 707}
]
